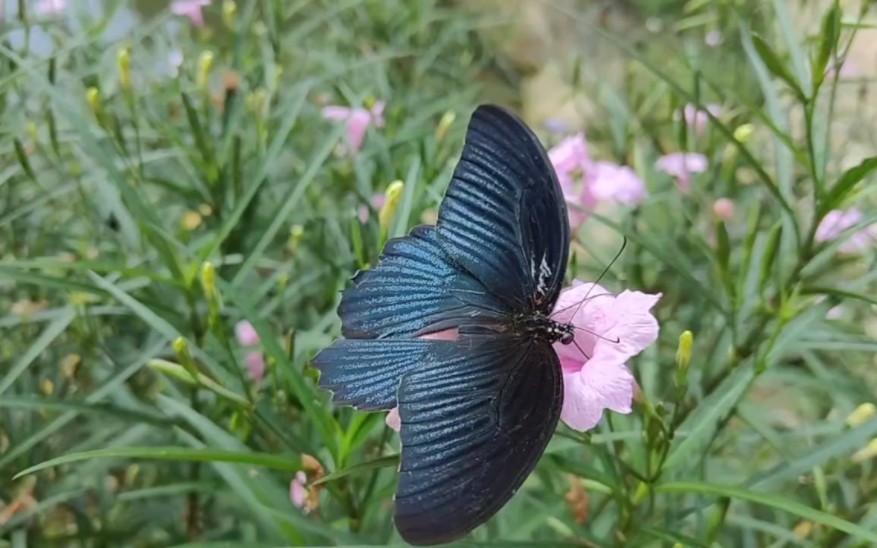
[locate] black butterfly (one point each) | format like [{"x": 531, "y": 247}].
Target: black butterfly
[{"x": 478, "y": 411}]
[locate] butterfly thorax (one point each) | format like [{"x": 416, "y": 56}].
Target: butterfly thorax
[{"x": 541, "y": 327}]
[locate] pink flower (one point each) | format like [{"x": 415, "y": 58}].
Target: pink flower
[
  {"x": 246, "y": 333},
  {"x": 723, "y": 208},
  {"x": 613, "y": 182},
  {"x": 611, "y": 329},
  {"x": 571, "y": 162},
  {"x": 713, "y": 38},
  {"x": 681, "y": 165},
  {"x": 255, "y": 365},
  {"x": 190, "y": 9},
  {"x": 393, "y": 420},
  {"x": 570, "y": 156},
  {"x": 697, "y": 119},
  {"x": 298, "y": 493},
  {"x": 835, "y": 313},
  {"x": 837, "y": 222},
  {"x": 358, "y": 120},
  {"x": 377, "y": 203},
  {"x": 50, "y": 7},
  {"x": 585, "y": 182}
]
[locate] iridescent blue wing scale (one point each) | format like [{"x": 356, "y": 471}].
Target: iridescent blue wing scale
[
  {"x": 504, "y": 218},
  {"x": 366, "y": 373},
  {"x": 415, "y": 289},
  {"x": 476, "y": 417}
]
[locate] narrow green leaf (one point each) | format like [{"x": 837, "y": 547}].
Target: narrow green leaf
[
  {"x": 838, "y": 446},
  {"x": 49, "y": 334},
  {"x": 121, "y": 413},
  {"x": 769, "y": 257},
  {"x": 828, "y": 43},
  {"x": 842, "y": 293},
  {"x": 847, "y": 183},
  {"x": 797, "y": 55},
  {"x": 139, "y": 309},
  {"x": 776, "y": 66},
  {"x": 772, "y": 501},
  {"x": 23, "y": 160},
  {"x": 190, "y": 454},
  {"x": 382, "y": 462},
  {"x": 696, "y": 431},
  {"x": 201, "y": 141}
]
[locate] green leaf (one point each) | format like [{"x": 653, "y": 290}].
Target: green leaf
[
  {"x": 52, "y": 332},
  {"x": 696, "y": 431},
  {"x": 291, "y": 463},
  {"x": 828, "y": 43},
  {"x": 776, "y": 66},
  {"x": 843, "y": 294},
  {"x": 796, "y": 53},
  {"x": 768, "y": 258},
  {"x": 772, "y": 501},
  {"x": 839, "y": 446},
  {"x": 846, "y": 183},
  {"x": 382, "y": 462},
  {"x": 120, "y": 413}
]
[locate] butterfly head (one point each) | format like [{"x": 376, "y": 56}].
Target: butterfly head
[{"x": 568, "y": 335}]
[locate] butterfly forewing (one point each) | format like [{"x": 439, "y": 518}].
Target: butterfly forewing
[
  {"x": 503, "y": 217},
  {"x": 414, "y": 289},
  {"x": 475, "y": 420}
]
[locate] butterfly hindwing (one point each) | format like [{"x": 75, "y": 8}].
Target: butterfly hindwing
[
  {"x": 366, "y": 373},
  {"x": 503, "y": 217},
  {"x": 476, "y": 417},
  {"x": 414, "y": 289}
]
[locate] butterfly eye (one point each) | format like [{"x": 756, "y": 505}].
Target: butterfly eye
[{"x": 567, "y": 338}]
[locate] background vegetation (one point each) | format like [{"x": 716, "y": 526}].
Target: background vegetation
[{"x": 137, "y": 146}]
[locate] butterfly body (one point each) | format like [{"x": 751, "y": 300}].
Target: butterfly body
[
  {"x": 477, "y": 409},
  {"x": 541, "y": 327}
]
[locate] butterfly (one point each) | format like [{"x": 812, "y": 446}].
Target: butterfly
[{"x": 476, "y": 411}]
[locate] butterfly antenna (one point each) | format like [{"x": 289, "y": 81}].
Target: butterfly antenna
[
  {"x": 596, "y": 283},
  {"x": 616, "y": 340},
  {"x": 585, "y": 354}
]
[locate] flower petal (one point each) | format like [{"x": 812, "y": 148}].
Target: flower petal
[
  {"x": 612, "y": 182},
  {"x": 336, "y": 113},
  {"x": 597, "y": 387},
  {"x": 357, "y": 125},
  {"x": 298, "y": 493},
  {"x": 255, "y": 365},
  {"x": 570, "y": 154},
  {"x": 246, "y": 333},
  {"x": 393, "y": 419},
  {"x": 628, "y": 328}
]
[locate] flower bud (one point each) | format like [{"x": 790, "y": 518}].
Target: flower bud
[
  {"x": 391, "y": 204},
  {"x": 205, "y": 65},
  {"x": 92, "y": 96},
  {"x": 181, "y": 350},
  {"x": 444, "y": 125},
  {"x": 229, "y": 12},
  {"x": 723, "y": 208},
  {"x": 744, "y": 132},
  {"x": 683, "y": 352},
  {"x": 295, "y": 235},
  {"x": 861, "y": 415},
  {"x": 867, "y": 452},
  {"x": 123, "y": 60}
]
